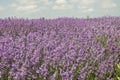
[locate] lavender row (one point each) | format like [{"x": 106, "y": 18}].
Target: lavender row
[{"x": 59, "y": 49}]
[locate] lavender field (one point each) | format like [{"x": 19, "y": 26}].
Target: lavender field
[{"x": 60, "y": 49}]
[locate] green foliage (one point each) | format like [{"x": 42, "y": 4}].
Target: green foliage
[
  {"x": 58, "y": 76},
  {"x": 117, "y": 41},
  {"x": 39, "y": 77},
  {"x": 118, "y": 71},
  {"x": 41, "y": 62},
  {"x": 5, "y": 76},
  {"x": 91, "y": 76},
  {"x": 102, "y": 40},
  {"x": 51, "y": 70},
  {"x": 76, "y": 73},
  {"x": 107, "y": 74}
]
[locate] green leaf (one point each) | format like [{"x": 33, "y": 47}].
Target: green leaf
[
  {"x": 118, "y": 78},
  {"x": 91, "y": 76},
  {"x": 76, "y": 73},
  {"x": 58, "y": 76},
  {"x": 107, "y": 74},
  {"x": 118, "y": 66}
]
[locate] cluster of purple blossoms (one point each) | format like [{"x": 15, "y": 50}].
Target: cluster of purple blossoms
[{"x": 59, "y": 49}]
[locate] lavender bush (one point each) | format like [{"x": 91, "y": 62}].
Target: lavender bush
[{"x": 60, "y": 49}]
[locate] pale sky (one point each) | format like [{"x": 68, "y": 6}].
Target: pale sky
[{"x": 59, "y": 8}]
